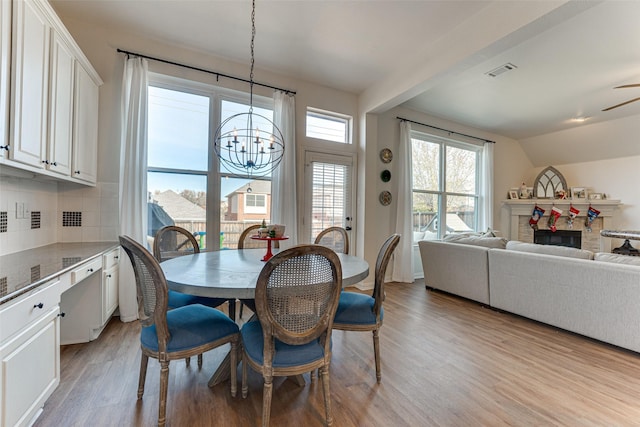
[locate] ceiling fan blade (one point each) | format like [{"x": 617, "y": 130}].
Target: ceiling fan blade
[
  {"x": 624, "y": 103},
  {"x": 631, "y": 85}
]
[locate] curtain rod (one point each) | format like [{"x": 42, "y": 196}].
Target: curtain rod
[
  {"x": 215, "y": 73},
  {"x": 446, "y": 130}
]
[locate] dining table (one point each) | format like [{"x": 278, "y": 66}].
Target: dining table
[{"x": 233, "y": 274}]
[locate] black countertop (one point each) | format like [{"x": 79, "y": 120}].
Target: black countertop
[{"x": 23, "y": 271}]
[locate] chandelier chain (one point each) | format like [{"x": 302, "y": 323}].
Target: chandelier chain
[{"x": 253, "y": 38}]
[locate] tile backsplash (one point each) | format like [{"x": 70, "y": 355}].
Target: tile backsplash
[{"x": 31, "y": 213}]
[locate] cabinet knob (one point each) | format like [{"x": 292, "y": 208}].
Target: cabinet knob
[
  {"x": 76, "y": 172},
  {"x": 116, "y": 257},
  {"x": 54, "y": 163},
  {"x": 90, "y": 270},
  {"x": 62, "y": 314},
  {"x": 4, "y": 147},
  {"x": 40, "y": 305},
  {"x": 109, "y": 276},
  {"x": 46, "y": 162}
]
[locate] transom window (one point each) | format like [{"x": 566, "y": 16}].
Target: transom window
[{"x": 328, "y": 126}]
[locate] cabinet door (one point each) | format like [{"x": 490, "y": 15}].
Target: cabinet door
[
  {"x": 29, "y": 370},
  {"x": 30, "y": 76},
  {"x": 109, "y": 293},
  {"x": 61, "y": 107},
  {"x": 85, "y": 136},
  {"x": 5, "y": 56}
]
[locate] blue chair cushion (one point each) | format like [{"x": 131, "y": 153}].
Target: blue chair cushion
[
  {"x": 285, "y": 355},
  {"x": 178, "y": 299},
  {"x": 189, "y": 327},
  {"x": 356, "y": 309}
]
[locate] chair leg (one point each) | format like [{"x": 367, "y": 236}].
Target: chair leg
[
  {"x": 266, "y": 400},
  {"x": 144, "y": 361},
  {"x": 324, "y": 372},
  {"x": 241, "y": 309},
  {"x": 164, "y": 383},
  {"x": 234, "y": 368},
  {"x": 200, "y": 361},
  {"x": 376, "y": 351},
  {"x": 187, "y": 361},
  {"x": 312, "y": 374},
  {"x": 245, "y": 386}
]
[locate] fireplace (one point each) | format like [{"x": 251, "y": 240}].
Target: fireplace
[{"x": 569, "y": 238}]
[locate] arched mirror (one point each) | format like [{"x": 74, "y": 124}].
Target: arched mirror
[{"x": 549, "y": 184}]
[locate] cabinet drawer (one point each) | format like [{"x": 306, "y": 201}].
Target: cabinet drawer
[
  {"x": 111, "y": 258},
  {"x": 28, "y": 309},
  {"x": 86, "y": 270}
]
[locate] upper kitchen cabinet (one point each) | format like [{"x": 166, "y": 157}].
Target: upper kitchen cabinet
[
  {"x": 5, "y": 57},
  {"x": 54, "y": 97}
]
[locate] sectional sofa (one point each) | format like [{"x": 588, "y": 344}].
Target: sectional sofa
[{"x": 593, "y": 294}]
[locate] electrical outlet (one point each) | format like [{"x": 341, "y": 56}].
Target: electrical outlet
[{"x": 19, "y": 210}]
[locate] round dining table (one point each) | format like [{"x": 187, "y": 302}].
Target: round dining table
[{"x": 234, "y": 273}]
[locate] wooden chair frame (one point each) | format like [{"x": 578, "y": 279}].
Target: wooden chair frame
[
  {"x": 330, "y": 230},
  {"x": 384, "y": 256},
  {"x": 273, "y": 330},
  {"x": 157, "y": 252},
  {"x": 159, "y": 318}
]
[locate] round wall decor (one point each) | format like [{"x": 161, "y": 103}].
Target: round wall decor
[
  {"x": 385, "y": 198},
  {"x": 385, "y": 175},
  {"x": 386, "y": 155}
]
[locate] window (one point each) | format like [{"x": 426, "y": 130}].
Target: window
[
  {"x": 328, "y": 126},
  {"x": 446, "y": 190},
  {"x": 184, "y": 185}
]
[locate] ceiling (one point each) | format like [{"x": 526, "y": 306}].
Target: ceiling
[{"x": 568, "y": 61}]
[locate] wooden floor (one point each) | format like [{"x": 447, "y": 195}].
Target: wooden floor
[{"x": 445, "y": 362}]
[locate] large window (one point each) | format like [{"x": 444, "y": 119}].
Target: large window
[
  {"x": 185, "y": 185},
  {"x": 446, "y": 186}
]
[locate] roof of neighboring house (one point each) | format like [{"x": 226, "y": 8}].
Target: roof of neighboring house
[
  {"x": 178, "y": 207},
  {"x": 258, "y": 186}
]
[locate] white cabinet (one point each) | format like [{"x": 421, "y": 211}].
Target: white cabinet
[
  {"x": 85, "y": 132},
  {"x": 60, "y": 107},
  {"x": 29, "y": 354},
  {"x": 110, "y": 285},
  {"x": 5, "y": 72},
  {"x": 30, "y": 83},
  {"x": 53, "y": 110}
]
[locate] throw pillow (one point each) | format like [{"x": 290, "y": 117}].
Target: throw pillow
[
  {"x": 616, "y": 258},
  {"x": 564, "y": 251},
  {"x": 487, "y": 242}
]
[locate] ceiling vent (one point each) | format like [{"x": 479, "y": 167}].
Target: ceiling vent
[{"x": 501, "y": 69}]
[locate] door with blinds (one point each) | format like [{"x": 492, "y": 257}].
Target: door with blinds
[{"x": 329, "y": 186}]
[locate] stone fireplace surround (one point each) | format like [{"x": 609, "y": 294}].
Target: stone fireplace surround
[{"x": 519, "y": 212}]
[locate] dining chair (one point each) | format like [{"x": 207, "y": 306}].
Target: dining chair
[
  {"x": 335, "y": 238},
  {"x": 296, "y": 299},
  {"x": 245, "y": 242},
  {"x": 173, "y": 334},
  {"x": 170, "y": 242},
  {"x": 361, "y": 312}
]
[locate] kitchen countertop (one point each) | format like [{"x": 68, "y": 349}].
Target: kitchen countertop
[{"x": 20, "y": 272}]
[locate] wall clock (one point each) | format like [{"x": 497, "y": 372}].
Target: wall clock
[
  {"x": 386, "y": 155},
  {"x": 385, "y": 198}
]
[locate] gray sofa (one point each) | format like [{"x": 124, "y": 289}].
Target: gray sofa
[{"x": 595, "y": 295}]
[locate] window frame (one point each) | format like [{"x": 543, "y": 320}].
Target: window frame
[
  {"x": 216, "y": 95},
  {"x": 442, "y": 193},
  {"x": 329, "y": 115}
]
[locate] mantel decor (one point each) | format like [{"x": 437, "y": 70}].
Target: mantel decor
[
  {"x": 249, "y": 144},
  {"x": 549, "y": 183}
]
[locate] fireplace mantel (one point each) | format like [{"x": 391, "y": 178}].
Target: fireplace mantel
[{"x": 519, "y": 210}]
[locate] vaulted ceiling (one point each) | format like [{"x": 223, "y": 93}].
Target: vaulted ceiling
[{"x": 567, "y": 61}]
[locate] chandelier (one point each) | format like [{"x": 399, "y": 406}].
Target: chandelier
[{"x": 249, "y": 143}]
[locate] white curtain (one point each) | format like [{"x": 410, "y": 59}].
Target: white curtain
[
  {"x": 283, "y": 181},
  {"x": 486, "y": 207},
  {"x": 133, "y": 175},
  {"x": 403, "y": 255}
]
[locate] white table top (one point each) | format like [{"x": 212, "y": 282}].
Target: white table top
[{"x": 234, "y": 273}]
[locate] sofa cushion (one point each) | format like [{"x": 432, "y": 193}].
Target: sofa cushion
[
  {"x": 616, "y": 258},
  {"x": 487, "y": 242},
  {"x": 564, "y": 251}
]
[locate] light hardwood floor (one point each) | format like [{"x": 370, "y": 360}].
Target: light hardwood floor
[{"x": 445, "y": 362}]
